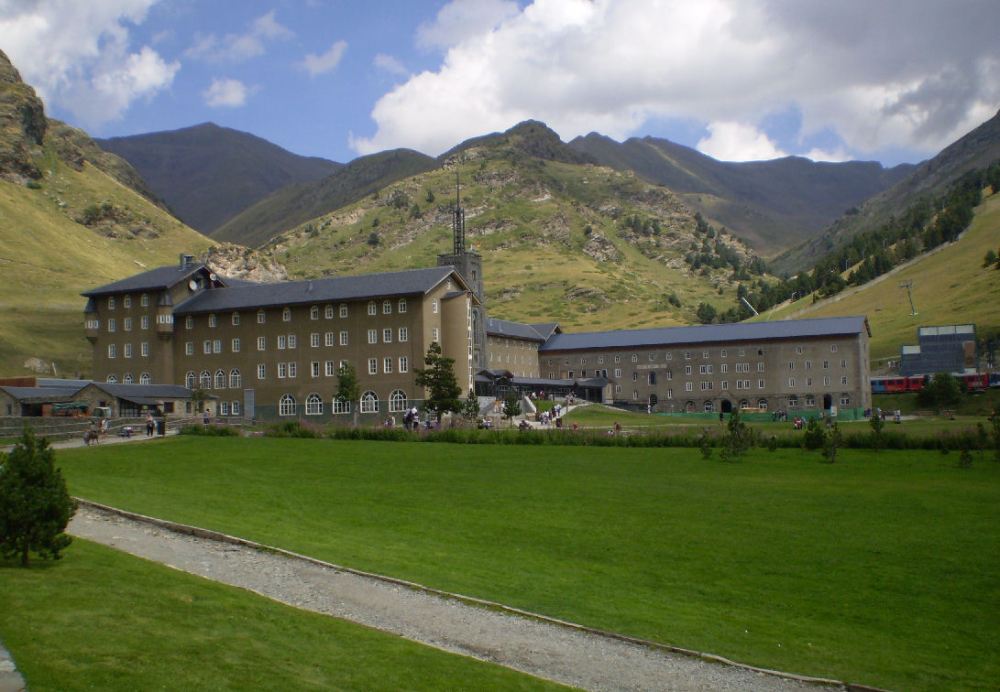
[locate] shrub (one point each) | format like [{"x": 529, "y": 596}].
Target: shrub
[
  {"x": 815, "y": 436},
  {"x": 292, "y": 428},
  {"x": 210, "y": 430}
]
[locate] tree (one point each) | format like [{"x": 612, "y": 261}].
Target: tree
[
  {"x": 738, "y": 438},
  {"x": 706, "y": 313},
  {"x": 35, "y": 505},
  {"x": 347, "y": 386},
  {"x": 438, "y": 378},
  {"x": 877, "y": 425},
  {"x": 990, "y": 259},
  {"x": 831, "y": 444},
  {"x": 470, "y": 409},
  {"x": 512, "y": 406},
  {"x": 941, "y": 392}
]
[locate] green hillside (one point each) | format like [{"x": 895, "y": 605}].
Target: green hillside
[
  {"x": 584, "y": 245},
  {"x": 771, "y": 204},
  {"x": 68, "y": 222},
  {"x": 949, "y": 286}
]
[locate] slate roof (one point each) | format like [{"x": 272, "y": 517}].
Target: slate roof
[
  {"x": 41, "y": 394},
  {"x": 414, "y": 281},
  {"x": 153, "y": 280},
  {"x": 546, "y": 329},
  {"x": 514, "y": 330},
  {"x": 146, "y": 392},
  {"x": 675, "y": 336}
]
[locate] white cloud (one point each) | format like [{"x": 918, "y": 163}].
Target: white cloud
[
  {"x": 239, "y": 47},
  {"x": 732, "y": 141},
  {"x": 832, "y": 156},
  {"x": 227, "y": 93},
  {"x": 78, "y": 55},
  {"x": 324, "y": 62},
  {"x": 874, "y": 76},
  {"x": 460, "y": 19},
  {"x": 390, "y": 64}
]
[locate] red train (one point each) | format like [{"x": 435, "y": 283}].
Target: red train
[{"x": 976, "y": 381}]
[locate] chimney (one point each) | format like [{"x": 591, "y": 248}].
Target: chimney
[{"x": 186, "y": 261}]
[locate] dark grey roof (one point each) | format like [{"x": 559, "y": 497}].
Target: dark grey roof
[
  {"x": 414, "y": 281},
  {"x": 675, "y": 336},
  {"x": 57, "y": 382},
  {"x": 153, "y": 280},
  {"x": 41, "y": 394},
  {"x": 513, "y": 330},
  {"x": 143, "y": 393},
  {"x": 546, "y": 329}
]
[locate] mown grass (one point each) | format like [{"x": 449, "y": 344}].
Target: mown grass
[
  {"x": 100, "y": 619},
  {"x": 879, "y": 569}
]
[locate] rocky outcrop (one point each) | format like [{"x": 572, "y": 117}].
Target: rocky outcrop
[
  {"x": 22, "y": 124},
  {"x": 237, "y": 262}
]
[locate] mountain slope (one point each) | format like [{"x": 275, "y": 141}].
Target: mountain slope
[
  {"x": 772, "y": 204},
  {"x": 581, "y": 244},
  {"x": 949, "y": 285},
  {"x": 207, "y": 174},
  {"x": 295, "y": 204},
  {"x": 975, "y": 150},
  {"x": 68, "y": 221}
]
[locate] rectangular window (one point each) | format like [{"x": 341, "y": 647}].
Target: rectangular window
[
  {"x": 434, "y": 306},
  {"x": 293, "y": 341},
  {"x": 343, "y": 338},
  {"x": 144, "y": 349},
  {"x": 687, "y": 370},
  {"x": 127, "y": 324},
  {"x": 791, "y": 365},
  {"x": 386, "y": 307},
  {"x": 330, "y": 339},
  {"x": 261, "y": 371},
  {"x": 689, "y": 386},
  {"x": 217, "y": 346},
  {"x": 404, "y": 335},
  {"x": 401, "y": 306},
  {"x": 826, "y": 365},
  {"x": 282, "y": 342},
  {"x": 128, "y": 350},
  {"x": 314, "y": 368},
  {"x": 188, "y": 348},
  {"x": 235, "y": 319},
  {"x": 760, "y": 367},
  {"x": 404, "y": 364},
  {"x": 144, "y": 300},
  {"x": 373, "y": 336},
  {"x": 331, "y": 369},
  {"x": 224, "y": 408},
  {"x": 843, "y": 363},
  {"x": 387, "y": 365},
  {"x": 282, "y": 371},
  {"x": 724, "y": 368},
  {"x": 314, "y": 340},
  {"x": 436, "y": 335},
  {"x": 387, "y": 335},
  {"x": 843, "y": 380},
  {"x": 618, "y": 389},
  {"x": 112, "y": 325},
  {"x": 261, "y": 343},
  {"x": 328, "y": 312},
  {"x": 760, "y": 384},
  {"x": 112, "y": 351},
  {"x": 687, "y": 355},
  {"x": 372, "y": 308},
  {"x": 809, "y": 365},
  {"x": 144, "y": 322},
  {"x": 206, "y": 346},
  {"x": 286, "y": 315},
  {"x": 314, "y": 312},
  {"x": 293, "y": 369},
  {"x": 341, "y": 406},
  {"x": 373, "y": 366},
  {"x": 618, "y": 372},
  {"x": 343, "y": 310},
  {"x": 212, "y": 321},
  {"x": 791, "y": 381},
  {"x": 236, "y": 408},
  {"x": 236, "y": 345},
  {"x": 724, "y": 384},
  {"x": 260, "y": 317}
]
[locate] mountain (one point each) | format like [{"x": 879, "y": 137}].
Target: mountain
[
  {"x": 773, "y": 205},
  {"x": 71, "y": 217},
  {"x": 949, "y": 285},
  {"x": 295, "y": 204},
  {"x": 562, "y": 239},
  {"x": 207, "y": 174},
  {"x": 930, "y": 179}
]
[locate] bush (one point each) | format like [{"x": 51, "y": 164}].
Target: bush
[
  {"x": 210, "y": 430},
  {"x": 815, "y": 436},
  {"x": 292, "y": 428}
]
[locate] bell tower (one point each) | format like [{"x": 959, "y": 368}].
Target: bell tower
[{"x": 469, "y": 264}]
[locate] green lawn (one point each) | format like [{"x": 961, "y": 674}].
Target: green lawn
[
  {"x": 878, "y": 569},
  {"x": 100, "y": 619}
]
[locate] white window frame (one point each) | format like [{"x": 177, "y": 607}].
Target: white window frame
[{"x": 286, "y": 405}]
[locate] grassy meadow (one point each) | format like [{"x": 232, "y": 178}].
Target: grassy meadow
[
  {"x": 950, "y": 286},
  {"x": 879, "y": 569},
  {"x": 101, "y": 619}
]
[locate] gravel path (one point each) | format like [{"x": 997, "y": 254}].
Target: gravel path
[{"x": 547, "y": 649}]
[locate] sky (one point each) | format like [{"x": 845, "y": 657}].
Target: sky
[{"x": 887, "y": 80}]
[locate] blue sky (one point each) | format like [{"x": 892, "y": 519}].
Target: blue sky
[{"x": 737, "y": 79}]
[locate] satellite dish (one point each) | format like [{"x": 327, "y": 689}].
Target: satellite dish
[
  {"x": 193, "y": 285},
  {"x": 213, "y": 276}
]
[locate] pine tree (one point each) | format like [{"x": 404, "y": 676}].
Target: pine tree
[{"x": 35, "y": 505}]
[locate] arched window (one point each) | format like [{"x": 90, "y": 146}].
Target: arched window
[
  {"x": 112, "y": 379},
  {"x": 762, "y": 404},
  {"x": 328, "y": 313},
  {"x": 689, "y": 407},
  {"x": 314, "y": 312},
  {"x": 235, "y": 379},
  {"x": 709, "y": 406},
  {"x": 286, "y": 315},
  {"x": 314, "y": 405},
  {"x": 397, "y": 401},
  {"x": 205, "y": 379},
  {"x": 744, "y": 403},
  {"x": 144, "y": 378},
  {"x": 190, "y": 379},
  {"x": 220, "y": 379},
  {"x": 286, "y": 405},
  {"x": 369, "y": 402},
  {"x": 127, "y": 379}
]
